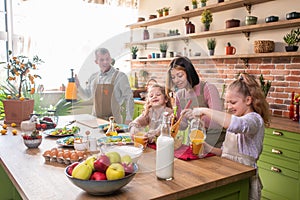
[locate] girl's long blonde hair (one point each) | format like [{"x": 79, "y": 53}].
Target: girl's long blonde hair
[{"x": 247, "y": 85}]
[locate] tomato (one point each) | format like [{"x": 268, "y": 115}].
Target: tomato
[{"x": 44, "y": 126}]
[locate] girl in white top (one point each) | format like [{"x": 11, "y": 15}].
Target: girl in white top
[{"x": 248, "y": 113}]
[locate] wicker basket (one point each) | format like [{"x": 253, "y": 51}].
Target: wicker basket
[{"x": 264, "y": 46}]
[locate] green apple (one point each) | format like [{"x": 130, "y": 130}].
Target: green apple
[
  {"x": 126, "y": 159},
  {"x": 90, "y": 161},
  {"x": 115, "y": 171},
  {"x": 114, "y": 157},
  {"x": 82, "y": 171}
]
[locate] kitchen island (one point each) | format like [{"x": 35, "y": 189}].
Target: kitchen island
[{"x": 33, "y": 178}]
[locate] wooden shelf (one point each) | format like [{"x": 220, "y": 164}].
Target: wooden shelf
[
  {"x": 228, "y": 5},
  {"x": 238, "y": 56},
  {"x": 236, "y": 30}
]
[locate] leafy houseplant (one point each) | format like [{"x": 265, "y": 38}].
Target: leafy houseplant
[
  {"x": 194, "y": 4},
  {"x": 163, "y": 49},
  {"x": 206, "y": 19},
  {"x": 292, "y": 39},
  {"x": 203, "y": 3},
  {"x": 211, "y": 45},
  {"x": 166, "y": 11},
  {"x": 265, "y": 86},
  {"x": 134, "y": 50},
  {"x": 160, "y": 12},
  {"x": 20, "y": 79}
]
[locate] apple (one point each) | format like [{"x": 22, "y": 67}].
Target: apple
[
  {"x": 102, "y": 163},
  {"x": 126, "y": 159},
  {"x": 114, "y": 157},
  {"x": 71, "y": 167},
  {"x": 115, "y": 171},
  {"x": 90, "y": 161},
  {"x": 128, "y": 168},
  {"x": 98, "y": 176},
  {"x": 82, "y": 171}
]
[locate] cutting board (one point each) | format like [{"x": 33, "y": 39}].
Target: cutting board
[{"x": 93, "y": 123}]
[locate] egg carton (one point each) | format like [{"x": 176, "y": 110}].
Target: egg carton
[{"x": 62, "y": 156}]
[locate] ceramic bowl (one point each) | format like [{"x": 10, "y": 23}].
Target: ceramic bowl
[
  {"x": 35, "y": 143},
  {"x": 250, "y": 20},
  {"x": 293, "y": 15},
  {"x": 271, "y": 19},
  {"x": 133, "y": 150},
  {"x": 103, "y": 187},
  {"x": 80, "y": 146}
]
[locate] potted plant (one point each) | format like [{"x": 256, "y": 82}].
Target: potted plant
[
  {"x": 163, "y": 49},
  {"x": 160, "y": 12},
  {"x": 134, "y": 50},
  {"x": 203, "y": 3},
  {"x": 206, "y": 19},
  {"x": 166, "y": 11},
  {"x": 20, "y": 85},
  {"x": 292, "y": 39},
  {"x": 194, "y": 4},
  {"x": 211, "y": 45}
]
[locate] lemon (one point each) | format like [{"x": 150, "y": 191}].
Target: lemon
[
  {"x": 3, "y": 132},
  {"x": 14, "y": 132},
  {"x": 9, "y": 97},
  {"x": 13, "y": 124},
  {"x": 4, "y": 126},
  {"x": 22, "y": 98}
]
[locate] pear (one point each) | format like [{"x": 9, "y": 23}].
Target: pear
[{"x": 82, "y": 171}]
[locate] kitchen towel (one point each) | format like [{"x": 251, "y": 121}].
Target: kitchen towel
[{"x": 183, "y": 153}]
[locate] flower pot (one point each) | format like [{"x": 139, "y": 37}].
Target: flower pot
[
  {"x": 17, "y": 111},
  {"x": 220, "y": 1},
  {"x": 230, "y": 50},
  {"x": 164, "y": 54},
  {"x": 206, "y": 27},
  {"x": 203, "y": 4},
  {"x": 232, "y": 23},
  {"x": 291, "y": 48},
  {"x": 166, "y": 13},
  {"x": 195, "y": 6},
  {"x": 211, "y": 52},
  {"x": 250, "y": 20},
  {"x": 134, "y": 56}
]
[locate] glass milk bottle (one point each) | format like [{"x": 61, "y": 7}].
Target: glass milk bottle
[{"x": 165, "y": 151}]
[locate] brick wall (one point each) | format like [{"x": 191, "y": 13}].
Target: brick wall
[{"x": 284, "y": 72}]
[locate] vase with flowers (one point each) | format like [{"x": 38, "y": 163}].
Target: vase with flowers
[{"x": 20, "y": 84}]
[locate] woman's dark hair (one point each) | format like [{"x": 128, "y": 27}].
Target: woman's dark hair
[{"x": 182, "y": 63}]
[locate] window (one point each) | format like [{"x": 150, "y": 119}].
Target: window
[{"x": 65, "y": 33}]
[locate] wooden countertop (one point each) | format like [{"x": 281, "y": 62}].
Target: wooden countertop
[
  {"x": 35, "y": 179},
  {"x": 285, "y": 124}
]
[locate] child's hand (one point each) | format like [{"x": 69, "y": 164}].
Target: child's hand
[
  {"x": 198, "y": 112},
  {"x": 187, "y": 113}
]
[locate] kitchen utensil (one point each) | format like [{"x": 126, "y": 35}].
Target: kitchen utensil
[{"x": 175, "y": 127}]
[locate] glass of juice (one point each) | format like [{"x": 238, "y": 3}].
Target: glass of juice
[
  {"x": 197, "y": 137},
  {"x": 139, "y": 137}
]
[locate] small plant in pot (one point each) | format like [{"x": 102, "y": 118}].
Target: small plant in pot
[
  {"x": 206, "y": 19},
  {"x": 203, "y": 3},
  {"x": 292, "y": 39},
  {"x": 211, "y": 45},
  {"x": 195, "y": 4},
  {"x": 163, "y": 49},
  {"x": 166, "y": 11},
  {"x": 134, "y": 50}
]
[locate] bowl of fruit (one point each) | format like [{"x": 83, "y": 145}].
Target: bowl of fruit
[
  {"x": 103, "y": 174},
  {"x": 32, "y": 139}
]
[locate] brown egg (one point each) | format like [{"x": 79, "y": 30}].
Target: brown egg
[
  {"x": 60, "y": 154},
  {"x": 74, "y": 156},
  {"x": 53, "y": 153},
  {"x": 47, "y": 153},
  {"x": 66, "y": 155},
  {"x": 80, "y": 154}
]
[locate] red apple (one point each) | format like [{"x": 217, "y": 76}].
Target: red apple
[
  {"x": 128, "y": 168},
  {"x": 102, "y": 163},
  {"x": 97, "y": 176},
  {"x": 71, "y": 167}
]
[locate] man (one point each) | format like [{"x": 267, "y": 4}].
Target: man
[{"x": 109, "y": 89}]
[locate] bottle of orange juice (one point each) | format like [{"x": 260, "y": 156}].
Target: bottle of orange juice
[{"x": 197, "y": 136}]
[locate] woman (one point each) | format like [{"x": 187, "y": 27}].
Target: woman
[{"x": 184, "y": 80}]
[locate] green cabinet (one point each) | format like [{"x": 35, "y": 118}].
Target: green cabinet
[{"x": 279, "y": 165}]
